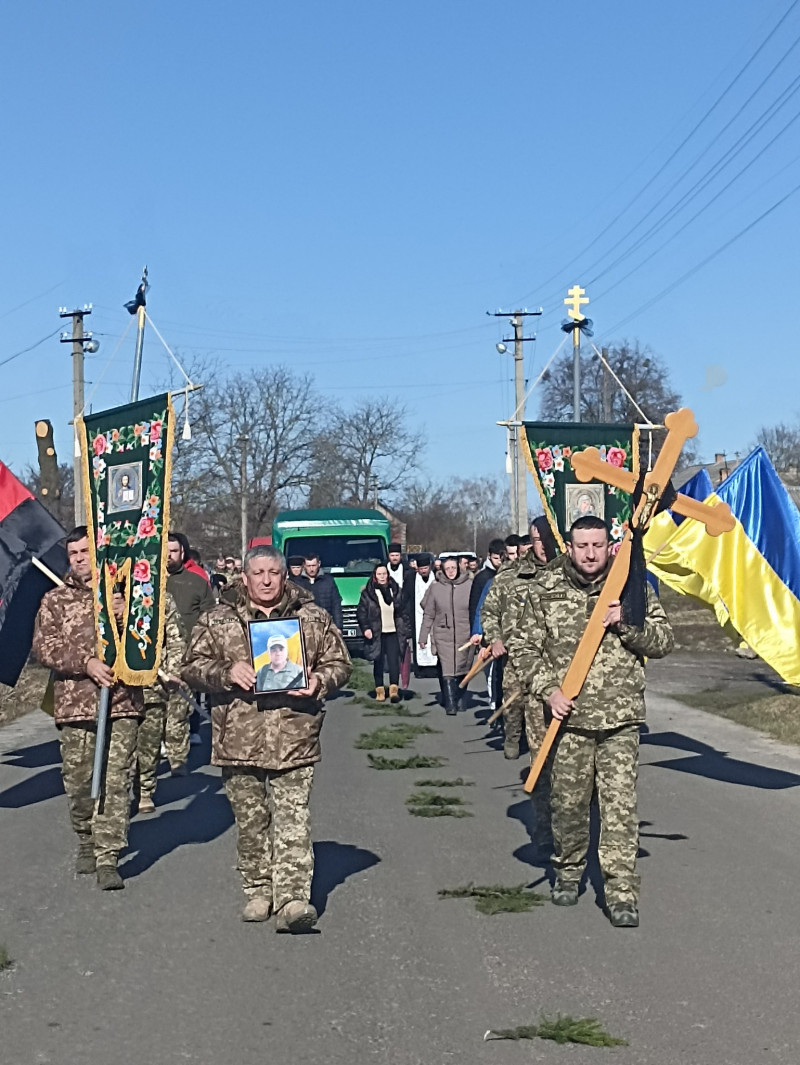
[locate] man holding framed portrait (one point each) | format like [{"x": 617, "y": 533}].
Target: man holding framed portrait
[{"x": 269, "y": 660}]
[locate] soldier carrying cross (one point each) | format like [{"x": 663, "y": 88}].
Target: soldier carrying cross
[{"x": 582, "y": 661}]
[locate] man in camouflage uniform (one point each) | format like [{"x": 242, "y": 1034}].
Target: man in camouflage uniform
[
  {"x": 501, "y": 615},
  {"x": 267, "y": 744},
  {"x": 156, "y": 700},
  {"x": 598, "y": 743},
  {"x": 65, "y": 641}
]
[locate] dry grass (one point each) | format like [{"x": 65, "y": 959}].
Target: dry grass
[
  {"x": 416, "y": 761},
  {"x": 776, "y": 714}
]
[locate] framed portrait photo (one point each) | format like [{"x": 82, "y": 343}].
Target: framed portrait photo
[{"x": 278, "y": 654}]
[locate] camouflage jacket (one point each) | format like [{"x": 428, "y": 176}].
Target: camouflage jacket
[
  {"x": 172, "y": 652},
  {"x": 505, "y": 599},
  {"x": 270, "y": 731},
  {"x": 557, "y": 608},
  {"x": 64, "y": 639}
]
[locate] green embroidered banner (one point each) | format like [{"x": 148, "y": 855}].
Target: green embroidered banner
[
  {"x": 548, "y": 447},
  {"x": 127, "y": 461}
]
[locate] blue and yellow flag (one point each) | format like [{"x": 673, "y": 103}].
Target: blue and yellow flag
[{"x": 750, "y": 575}]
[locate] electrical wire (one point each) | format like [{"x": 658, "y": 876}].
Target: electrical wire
[
  {"x": 699, "y": 266},
  {"x": 698, "y": 125},
  {"x": 17, "y": 354}
]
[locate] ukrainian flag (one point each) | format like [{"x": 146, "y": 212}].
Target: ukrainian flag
[{"x": 750, "y": 575}]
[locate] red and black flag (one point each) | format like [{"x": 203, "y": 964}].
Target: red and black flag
[{"x": 27, "y": 530}]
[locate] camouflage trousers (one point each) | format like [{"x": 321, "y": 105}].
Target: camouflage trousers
[
  {"x": 275, "y": 855},
  {"x": 176, "y": 730},
  {"x": 104, "y": 822},
  {"x": 608, "y": 760},
  {"x": 535, "y": 729},
  {"x": 148, "y": 743}
]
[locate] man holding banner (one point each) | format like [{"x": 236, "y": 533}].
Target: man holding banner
[{"x": 65, "y": 641}]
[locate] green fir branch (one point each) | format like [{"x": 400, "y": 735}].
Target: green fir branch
[
  {"x": 438, "y": 811},
  {"x": 433, "y": 798},
  {"x": 416, "y": 761},
  {"x": 391, "y": 737},
  {"x": 496, "y": 898},
  {"x": 6, "y": 961},
  {"x": 561, "y": 1029},
  {"x": 459, "y": 782}
]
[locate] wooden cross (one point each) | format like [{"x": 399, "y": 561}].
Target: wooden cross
[{"x": 588, "y": 465}]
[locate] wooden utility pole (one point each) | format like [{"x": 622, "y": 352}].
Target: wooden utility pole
[
  {"x": 77, "y": 340},
  {"x": 519, "y": 495}
]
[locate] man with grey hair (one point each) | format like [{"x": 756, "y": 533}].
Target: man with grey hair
[{"x": 267, "y": 743}]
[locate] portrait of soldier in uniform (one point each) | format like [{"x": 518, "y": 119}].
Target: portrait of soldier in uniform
[{"x": 277, "y": 655}]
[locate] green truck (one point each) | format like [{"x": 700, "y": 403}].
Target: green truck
[{"x": 349, "y": 542}]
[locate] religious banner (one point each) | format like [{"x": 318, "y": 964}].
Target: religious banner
[
  {"x": 126, "y": 461},
  {"x": 548, "y": 447}
]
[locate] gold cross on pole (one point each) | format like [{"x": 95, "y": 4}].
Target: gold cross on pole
[
  {"x": 717, "y": 519},
  {"x": 576, "y": 296}
]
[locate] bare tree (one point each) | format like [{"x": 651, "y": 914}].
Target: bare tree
[
  {"x": 643, "y": 373},
  {"x": 455, "y": 515},
  {"x": 63, "y": 507},
  {"x": 365, "y": 448},
  {"x": 273, "y": 415},
  {"x": 782, "y": 443}
]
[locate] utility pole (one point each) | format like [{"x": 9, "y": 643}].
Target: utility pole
[
  {"x": 243, "y": 441},
  {"x": 606, "y": 386},
  {"x": 137, "y": 306},
  {"x": 519, "y": 495},
  {"x": 78, "y": 339}
]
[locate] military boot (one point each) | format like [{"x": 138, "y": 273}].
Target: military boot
[
  {"x": 85, "y": 862},
  {"x": 394, "y": 693},
  {"x": 380, "y": 694},
  {"x": 623, "y": 914},
  {"x": 108, "y": 879},
  {"x": 257, "y": 908},
  {"x": 296, "y": 916},
  {"x": 564, "y": 894},
  {"x": 146, "y": 804}
]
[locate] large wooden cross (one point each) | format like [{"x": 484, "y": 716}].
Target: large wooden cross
[{"x": 588, "y": 466}]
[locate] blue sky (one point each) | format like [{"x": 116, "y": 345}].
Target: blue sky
[{"x": 347, "y": 188}]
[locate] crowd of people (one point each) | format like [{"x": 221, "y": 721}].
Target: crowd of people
[{"x": 521, "y": 611}]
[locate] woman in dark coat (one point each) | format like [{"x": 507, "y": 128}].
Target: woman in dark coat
[
  {"x": 385, "y": 622},
  {"x": 445, "y": 618}
]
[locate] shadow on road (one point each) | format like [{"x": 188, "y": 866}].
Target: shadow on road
[
  {"x": 333, "y": 864},
  {"x": 707, "y": 761},
  {"x": 35, "y": 757},
  {"x": 207, "y": 816},
  {"x": 40, "y": 786}
]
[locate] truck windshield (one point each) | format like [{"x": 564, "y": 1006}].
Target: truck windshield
[{"x": 350, "y": 556}]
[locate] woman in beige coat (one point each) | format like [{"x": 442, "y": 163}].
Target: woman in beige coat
[{"x": 445, "y": 618}]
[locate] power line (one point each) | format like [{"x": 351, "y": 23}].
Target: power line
[
  {"x": 637, "y": 196},
  {"x": 25, "y": 350},
  {"x": 699, "y": 266}
]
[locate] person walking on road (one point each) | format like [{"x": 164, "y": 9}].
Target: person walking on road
[
  {"x": 268, "y": 744},
  {"x": 193, "y": 595},
  {"x": 65, "y": 640},
  {"x": 598, "y": 741},
  {"x": 323, "y": 588},
  {"x": 384, "y": 619},
  {"x": 445, "y": 618}
]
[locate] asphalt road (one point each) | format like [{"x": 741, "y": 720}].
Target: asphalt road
[{"x": 166, "y": 973}]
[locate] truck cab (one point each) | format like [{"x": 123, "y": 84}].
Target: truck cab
[{"x": 350, "y": 543}]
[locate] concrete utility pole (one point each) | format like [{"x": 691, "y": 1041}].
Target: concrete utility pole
[
  {"x": 78, "y": 339},
  {"x": 519, "y": 495},
  {"x": 606, "y": 386}
]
